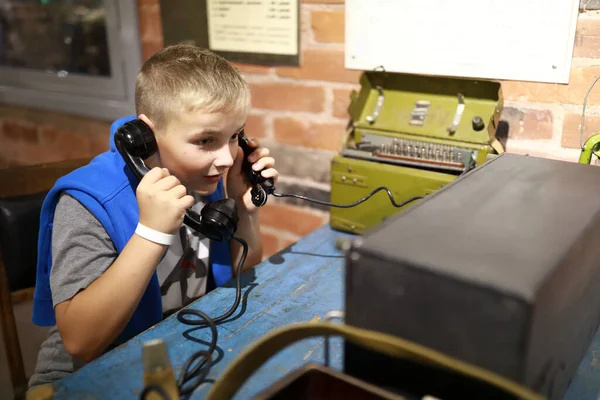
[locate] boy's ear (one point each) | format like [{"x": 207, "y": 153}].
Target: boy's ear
[{"x": 144, "y": 118}]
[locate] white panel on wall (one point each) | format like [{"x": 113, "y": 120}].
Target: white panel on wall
[{"x": 527, "y": 40}]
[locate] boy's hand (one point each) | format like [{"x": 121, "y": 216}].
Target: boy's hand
[
  {"x": 238, "y": 185},
  {"x": 162, "y": 201}
]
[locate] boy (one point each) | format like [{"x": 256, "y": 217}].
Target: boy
[{"x": 104, "y": 281}]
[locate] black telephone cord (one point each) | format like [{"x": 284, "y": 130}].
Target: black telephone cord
[
  {"x": 200, "y": 371},
  {"x": 325, "y": 203}
]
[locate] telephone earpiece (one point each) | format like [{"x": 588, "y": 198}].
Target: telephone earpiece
[
  {"x": 261, "y": 186},
  {"x": 135, "y": 142}
]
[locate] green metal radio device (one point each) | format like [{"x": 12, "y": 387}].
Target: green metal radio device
[{"x": 412, "y": 134}]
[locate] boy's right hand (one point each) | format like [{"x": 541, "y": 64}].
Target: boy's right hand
[{"x": 162, "y": 201}]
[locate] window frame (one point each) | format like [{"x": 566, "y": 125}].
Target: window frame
[{"x": 105, "y": 98}]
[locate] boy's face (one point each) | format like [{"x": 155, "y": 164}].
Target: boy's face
[{"x": 198, "y": 148}]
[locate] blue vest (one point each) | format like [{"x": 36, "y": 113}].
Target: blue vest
[{"x": 106, "y": 187}]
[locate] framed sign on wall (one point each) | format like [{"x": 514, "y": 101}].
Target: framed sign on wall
[{"x": 264, "y": 32}]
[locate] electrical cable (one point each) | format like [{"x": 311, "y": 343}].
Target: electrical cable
[
  {"x": 583, "y": 112},
  {"x": 390, "y": 195},
  {"x": 581, "y": 144},
  {"x": 204, "y": 357}
]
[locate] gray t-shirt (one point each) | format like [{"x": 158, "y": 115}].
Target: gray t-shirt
[{"x": 82, "y": 251}]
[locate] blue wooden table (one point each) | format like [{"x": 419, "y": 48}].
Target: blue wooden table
[{"x": 299, "y": 284}]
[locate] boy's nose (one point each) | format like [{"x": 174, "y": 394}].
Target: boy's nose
[{"x": 224, "y": 158}]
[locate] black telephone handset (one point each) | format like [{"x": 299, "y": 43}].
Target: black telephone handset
[
  {"x": 135, "y": 142},
  {"x": 261, "y": 186}
]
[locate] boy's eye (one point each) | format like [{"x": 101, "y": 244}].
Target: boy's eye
[
  {"x": 235, "y": 137},
  {"x": 205, "y": 142}
]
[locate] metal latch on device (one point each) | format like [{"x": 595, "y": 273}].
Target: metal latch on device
[
  {"x": 459, "y": 112},
  {"x": 373, "y": 117}
]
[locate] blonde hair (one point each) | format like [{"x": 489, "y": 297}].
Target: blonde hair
[{"x": 188, "y": 78}]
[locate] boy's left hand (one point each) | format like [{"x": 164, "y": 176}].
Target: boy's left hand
[{"x": 238, "y": 185}]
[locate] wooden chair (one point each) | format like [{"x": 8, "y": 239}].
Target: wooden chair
[{"x": 22, "y": 192}]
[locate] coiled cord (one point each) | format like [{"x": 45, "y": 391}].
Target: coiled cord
[
  {"x": 191, "y": 378},
  {"x": 197, "y": 375}
]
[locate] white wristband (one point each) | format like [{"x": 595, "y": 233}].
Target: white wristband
[{"x": 153, "y": 235}]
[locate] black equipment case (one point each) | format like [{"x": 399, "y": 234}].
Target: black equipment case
[{"x": 500, "y": 268}]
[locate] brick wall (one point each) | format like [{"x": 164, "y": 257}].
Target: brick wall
[{"x": 300, "y": 114}]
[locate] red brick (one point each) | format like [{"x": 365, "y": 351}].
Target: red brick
[
  {"x": 296, "y": 220},
  {"x": 9, "y": 132},
  {"x": 77, "y": 144},
  {"x": 150, "y": 23},
  {"x": 49, "y": 135},
  {"x": 150, "y": 48},
  {"x": 572, "y": 125},
  {"x": 580, "y": 80},
  {"x": 10, "y": 150},
  {"x": 99, "y": 129},
  {"x": 588, "y": 25},
  {"x": 20, "y": 130},
  {"x": 286, "y": 243},
  {"x": 251, "y": 69},
  {"x": 255, "y": 126},
  {"x": 573, "y": 93},
  {"x": 32, "y": 154},
  {"x": 328, "y": 26},
  {"x": 98, "y": 144},
  {"x": 270, "y": 244},
  {"x": 320, "y": 135},
  {"x": 288, "y": 97},
  {"x": 341, "y": 101},
  {"x": 528, "y": 124},
  {"x": 587, "y": 46},
  {"x": 273, "y": 243},
  {"x": 66, "y": 143},
  {"x": 530, "y": 91},
  {"x": 321, "y": 64}
]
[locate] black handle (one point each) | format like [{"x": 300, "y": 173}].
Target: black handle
[{"x": 261, "y": 186}]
